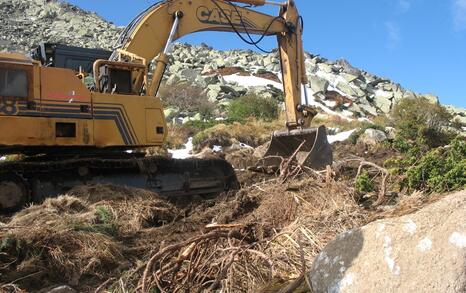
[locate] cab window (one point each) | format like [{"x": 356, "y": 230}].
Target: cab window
[{"x": 13, "y": 83}]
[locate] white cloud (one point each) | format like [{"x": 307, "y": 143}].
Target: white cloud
[
  {"x": 459, "y": 14},
  {"x": 404, "y": 5},
  {"x": 393, "y": 34}
]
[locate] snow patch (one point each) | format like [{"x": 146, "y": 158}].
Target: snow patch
[
  {"x": 252, "y": 81},
  {"x": 185, "y": 152},
  {"x": 458, "y": 239},
  {"x": 424, "y": 245},
  {"x": 342, "y": 136},
  {"x": 217, "y": 148}
]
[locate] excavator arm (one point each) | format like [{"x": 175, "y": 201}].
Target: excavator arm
[{"x": 150, "y": 35}]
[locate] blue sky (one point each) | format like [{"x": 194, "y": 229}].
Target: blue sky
[{"x": 419, "y": 43}]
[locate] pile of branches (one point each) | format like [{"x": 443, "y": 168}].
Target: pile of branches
[
  {"x": 207, "y": 262},
  {"x": 239, "y": 256}
]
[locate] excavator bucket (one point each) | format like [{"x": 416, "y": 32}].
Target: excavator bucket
[{"x": 310, "y": 147}]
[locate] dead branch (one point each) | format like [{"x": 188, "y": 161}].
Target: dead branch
[
  {"x": 223, "y": 226},
  {"x": 175, "y": 247},
  {"x": 225, "y": 269},
  {"x": 103, "y": 285},
  {"x": 286, "y": 164}
]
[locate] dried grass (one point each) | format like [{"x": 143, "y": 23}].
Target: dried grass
[
  {"x": 253, "y": 133},
  {"x": 334, "y": 121},
  {"x": 77, "y": 235}
]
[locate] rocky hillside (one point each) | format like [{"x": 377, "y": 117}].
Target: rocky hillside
[
  {"x": 25, "y": 23},
  {"x": 336, "y": 87}
]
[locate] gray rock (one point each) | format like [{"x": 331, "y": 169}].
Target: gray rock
[
  {"x": 229, "y": 90},
  {"x": 421, "y": 252},
  {"x": 359, "y": 92},
  {"x": 346, "y": 88},
  {"x": 211, "y": 79},
  {"x": 409, "y": 95},
  {"x": 220, "y": 63},
  {"x": 431, "y": 98},
  {"x": 369, "y": 109},
  {"x": 391, "y": 133},
  {"x": 348, "y": 68},
  {"x": 213, "y": 92},
  {"x": 398, "y": 94},
  {"x": 241, "y": 90},
  {"x": 383, "y": 100},
  {"x": 175, "y": 67},
  {"x": 372, "y": 137},
  {"x": 460, "y": 118},
  {"x": 30, "y": 22},
  {"x": 317, "y": 84},
  {"x": 189, "y": 74},
  {"x": 325, "y": 67},
  {"x": 173, "y": 79},
  {"x": 207, "y": 68},
  {"x": 349, "y": 77},
  {"x": 388, "y": 86},
  {"x": 200, "y": 81}
]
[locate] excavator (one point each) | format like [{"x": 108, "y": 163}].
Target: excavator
[{"x": 83, "y": 116}]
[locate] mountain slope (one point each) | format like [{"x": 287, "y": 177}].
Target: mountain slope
[{"x": 29, "y": 22}]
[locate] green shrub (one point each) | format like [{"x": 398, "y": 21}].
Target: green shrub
[
  {"x": 440, "y": 169},
  {"x": 420, "y": 122},
  {"x": 104, "y": 215},
  {"x": 364, "y": 183},
  {"x": 9, "y": 243},
  {"x": 104, "y": 223},
  {"x": 253, "y": 106}
]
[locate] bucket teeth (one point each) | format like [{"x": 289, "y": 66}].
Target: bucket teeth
[{"x": 310, "y": 145}]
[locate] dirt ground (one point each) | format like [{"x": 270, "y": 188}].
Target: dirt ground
[{"x": 259, "y": 239}]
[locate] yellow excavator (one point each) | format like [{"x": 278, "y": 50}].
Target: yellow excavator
[{"x": 82, "y": 116}]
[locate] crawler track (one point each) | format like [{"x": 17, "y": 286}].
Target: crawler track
[{"x": 34, "y": 180}]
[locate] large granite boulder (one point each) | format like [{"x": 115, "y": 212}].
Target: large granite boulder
[{"x": 421, "y": 252}]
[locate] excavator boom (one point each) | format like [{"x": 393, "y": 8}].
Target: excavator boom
[{"x": 151, "y": 34}]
